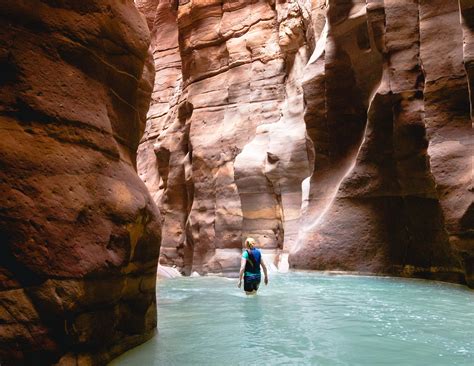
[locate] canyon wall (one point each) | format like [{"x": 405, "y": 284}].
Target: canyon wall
[
  {"x": 392, "y": 195},
  {"x": 79, "y": 233},
  {"x": 337, "y": 133},
  {"x": 224, "y": 152}
]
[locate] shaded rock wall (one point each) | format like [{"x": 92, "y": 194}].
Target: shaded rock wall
[
  {"x": 338, "y": 132},
  {"x": 163, "y": 150},
  {"x": 396, "y": 197},
  {"x": 79, "y": 233}
]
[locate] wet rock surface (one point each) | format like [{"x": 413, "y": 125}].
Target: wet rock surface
[
  {"x": 335, "y": 132},
  {"x": 79, "y": 233}
]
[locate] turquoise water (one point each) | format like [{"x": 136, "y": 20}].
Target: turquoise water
[{"x": 310, "y": 319}]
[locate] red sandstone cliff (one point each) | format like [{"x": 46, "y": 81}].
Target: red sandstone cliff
[
  {"x": 79, "y": 235},
  {"x": 396, "y": 196},
  {"x": 336, "y": 131},
  {"x": 224, "y": 153}
]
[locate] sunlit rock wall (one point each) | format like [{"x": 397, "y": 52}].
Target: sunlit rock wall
[
  {"x": 225, "y": 150},
  {"x": 79, "y": 233},
  {"x": 336, "y": 131}
]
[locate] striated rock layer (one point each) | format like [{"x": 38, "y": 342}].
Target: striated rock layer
[
  {"x": 79, "y": 234},
  {"x": 392, "y": 193},
  {"x": 336, "y": 132},
  {"x": 224, "y": 151}
]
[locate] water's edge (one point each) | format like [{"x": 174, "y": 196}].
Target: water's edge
[{"x": 171, "y": 272}]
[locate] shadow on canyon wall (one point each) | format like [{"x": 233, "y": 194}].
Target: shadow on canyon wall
[
  {"x": 79, "y": 233},
  {"x": 332, "y": 131}
]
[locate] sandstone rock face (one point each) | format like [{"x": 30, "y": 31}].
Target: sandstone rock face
[
  {"x": 225, "y": 152},
  {"x": 336, "y": 132},
  {"x": 79, "y": 233},
  {"x": 390, "y": 191}
]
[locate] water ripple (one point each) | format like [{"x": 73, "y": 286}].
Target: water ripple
[{"x": 310, "y": 319}]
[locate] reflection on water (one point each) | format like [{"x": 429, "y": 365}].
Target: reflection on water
[{"x": 310, "y": 319}]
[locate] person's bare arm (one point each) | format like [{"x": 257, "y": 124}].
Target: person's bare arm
[
  {"x": 242, "y": 269},
  {"x": 262, "y": 263}
]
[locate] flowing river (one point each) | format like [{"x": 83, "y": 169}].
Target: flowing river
[{"x": 310, "y": 319}]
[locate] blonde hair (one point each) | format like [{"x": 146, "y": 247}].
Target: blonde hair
[{"x": 250, "y": 242}]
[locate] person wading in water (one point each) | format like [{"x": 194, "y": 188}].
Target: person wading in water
[{"x": 250, "y": 268}]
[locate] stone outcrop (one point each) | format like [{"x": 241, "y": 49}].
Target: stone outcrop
[
  {"x": 79, "y": 233},
  {"x": 336, "y": 132}
]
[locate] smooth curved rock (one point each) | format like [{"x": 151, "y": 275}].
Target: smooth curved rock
[
  {"x": 79, "y": 234},
  {"x": 164, "y": 147},
  {"x": 396, "y": 205},
  {"x": 338, "y": 133},
  {"x": 226, "y": 153}
]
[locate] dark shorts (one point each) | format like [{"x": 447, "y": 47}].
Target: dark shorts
[{"x": 251, "y": 283}]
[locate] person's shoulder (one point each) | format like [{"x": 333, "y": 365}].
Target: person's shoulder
[{"x": 245, "y": 254}]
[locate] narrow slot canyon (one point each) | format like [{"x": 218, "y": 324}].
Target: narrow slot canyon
[{"x": 143, "y": 142}]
